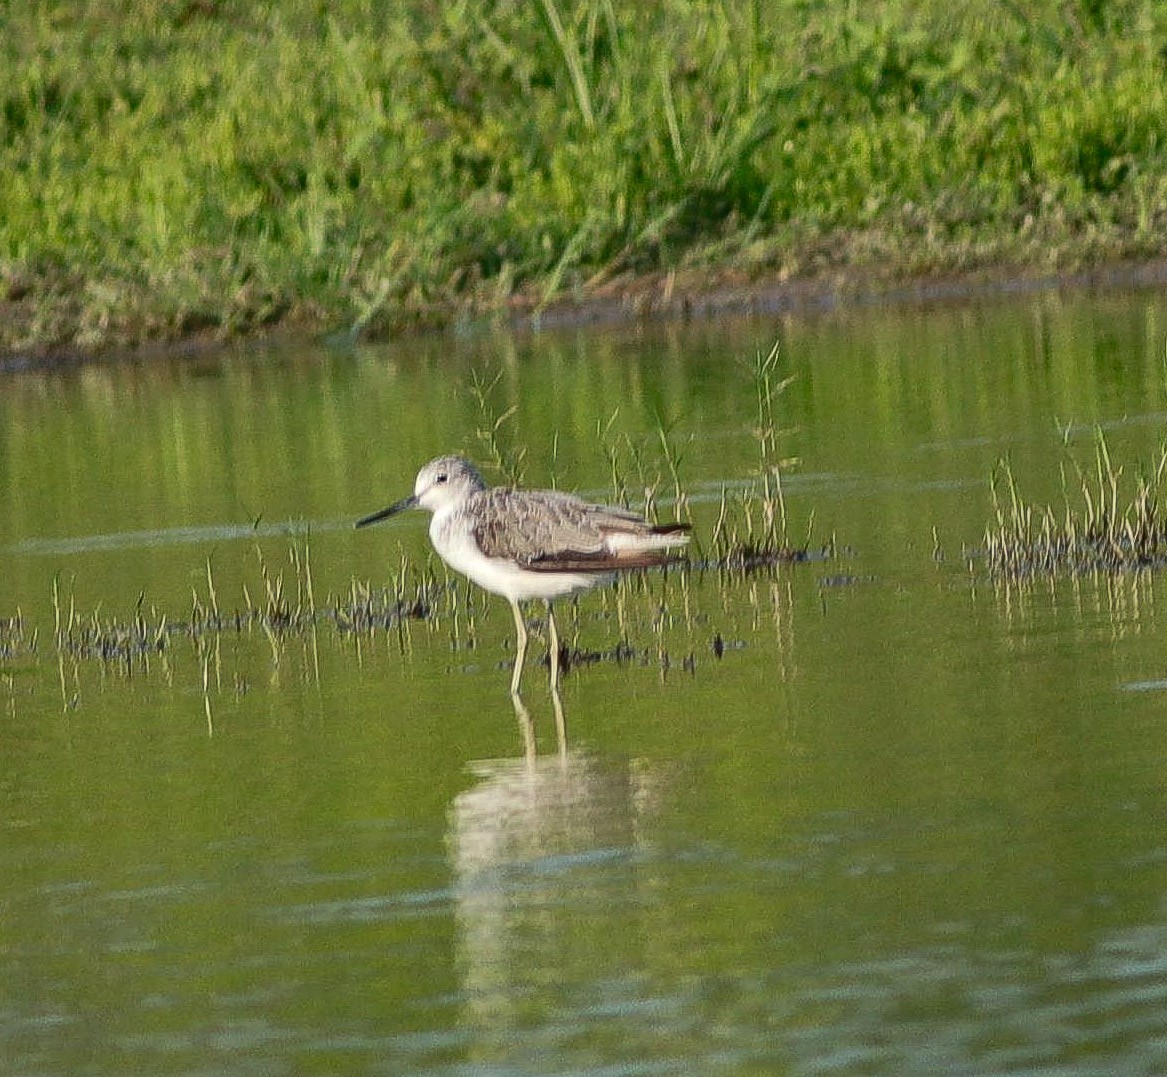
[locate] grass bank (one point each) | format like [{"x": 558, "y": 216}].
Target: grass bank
[{"x": 171, "y": 167}]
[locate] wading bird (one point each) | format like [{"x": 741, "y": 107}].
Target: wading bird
[{"x": 530, "y": 544}]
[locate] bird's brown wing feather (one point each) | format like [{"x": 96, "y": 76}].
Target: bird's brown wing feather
[{"x": 602, "y": 562}]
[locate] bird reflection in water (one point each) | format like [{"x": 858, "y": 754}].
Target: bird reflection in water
[{"x": 536, "y": 846}]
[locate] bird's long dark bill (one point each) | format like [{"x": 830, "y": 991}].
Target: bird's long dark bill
[{"x": 397, "y": 506}]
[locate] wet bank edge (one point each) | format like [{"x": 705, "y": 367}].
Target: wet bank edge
[{"x": 658, "y": 297}]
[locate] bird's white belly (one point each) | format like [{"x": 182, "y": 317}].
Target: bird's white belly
[{"x": 455, "y": 545}]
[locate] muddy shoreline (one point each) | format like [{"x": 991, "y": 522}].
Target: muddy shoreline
[{"x": 659, "y": 297}]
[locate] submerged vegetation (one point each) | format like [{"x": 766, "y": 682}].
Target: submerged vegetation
[
  {"x": 750, "y": 532},
  {"x": 181, "y": 166},
  {"x": 285, "y": 609},
  {"x": 132, "y": 642},
  {"x": 1108, "y": 522}
]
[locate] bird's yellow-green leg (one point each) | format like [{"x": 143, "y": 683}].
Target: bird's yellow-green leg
[
  {"x": 521, "y": 713},
  {"x": 556, "y": 702},
  {"x": 520, "y": 648}
]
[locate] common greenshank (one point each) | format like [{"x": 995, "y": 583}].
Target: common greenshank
[{"x": 528, "y": 544}]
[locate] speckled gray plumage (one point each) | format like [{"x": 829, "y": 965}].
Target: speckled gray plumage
[{"x": 545, "y": 529}]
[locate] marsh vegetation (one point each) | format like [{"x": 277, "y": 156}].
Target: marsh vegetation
[
  {"x": 216, "y": 167},
  {"x": 1110, "y": 520}
]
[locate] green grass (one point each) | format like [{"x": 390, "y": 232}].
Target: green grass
[
  {"x": 1110, "y": 521},
  {"x": 179, "y": 166}
]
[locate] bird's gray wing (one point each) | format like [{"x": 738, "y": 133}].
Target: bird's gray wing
[
  {"x": 549, "y": 531},
  {"x": 524, "y": 525}
]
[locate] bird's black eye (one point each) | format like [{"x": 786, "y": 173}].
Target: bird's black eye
[{"x": 441, "y": 478}]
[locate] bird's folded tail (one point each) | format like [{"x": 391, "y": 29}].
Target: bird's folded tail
[
  {"x": 659, "y": 546},
  {"x": 575, "y": 561},
  {"x": 672, "y": 529}
]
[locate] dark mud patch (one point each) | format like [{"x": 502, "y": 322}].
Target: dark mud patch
[{"x": 728, "y": 293}]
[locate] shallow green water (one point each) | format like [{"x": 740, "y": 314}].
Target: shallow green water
[{"x": 909, "y": 821}]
